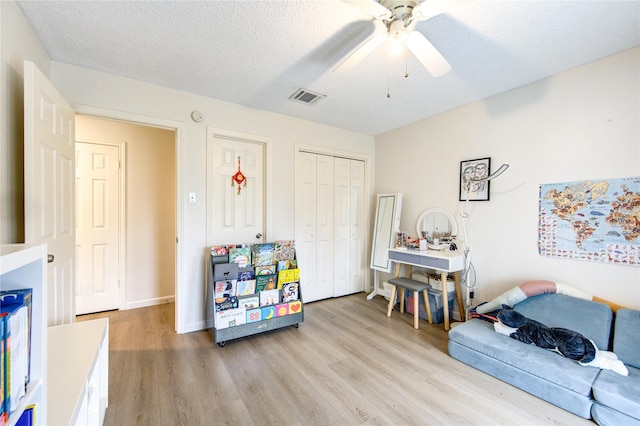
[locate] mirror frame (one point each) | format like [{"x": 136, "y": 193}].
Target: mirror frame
[
  {"x": 447, "y": 213},
  {"x": 387, "y": 223}
]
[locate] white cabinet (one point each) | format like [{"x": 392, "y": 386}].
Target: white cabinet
[
  {"x": 25, "y": 266},
  {"x": 78, "y": 374}
]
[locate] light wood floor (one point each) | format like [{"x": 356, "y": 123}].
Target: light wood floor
[{"x": 347, "y": 364}]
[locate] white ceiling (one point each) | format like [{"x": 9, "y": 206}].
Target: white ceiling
[{"x": 257, "y": 53}]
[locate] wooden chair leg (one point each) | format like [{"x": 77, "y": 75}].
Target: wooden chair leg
[
  {"x": 402, "y": 300},
  {"x": 416, "y": 312},
  {"x": 392, "y": 299},
  {"x": 427, "y": 306}
]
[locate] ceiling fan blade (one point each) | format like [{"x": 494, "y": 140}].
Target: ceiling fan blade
[
  {"x": 430, "y": 8},
  {"x": 427, "y": 54},
  {"x": 371, "y": 7},
  {"x": 361, "y": 52}
]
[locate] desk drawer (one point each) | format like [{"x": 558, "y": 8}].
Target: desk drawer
[{"x": 421, "y": 260}]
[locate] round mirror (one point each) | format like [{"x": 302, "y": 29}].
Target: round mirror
[{"x": 436, "y": 223}]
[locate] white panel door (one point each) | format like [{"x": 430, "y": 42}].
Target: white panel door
[
  {"x": 306, "y": 225},
  {"x": 314, "y": 225},
  {"x": 358, "y": 228},
  {"x": 97, "y": 227},
  {"x": 235, "y": 217},
  {"x": 49, "y": 181},
  {"x": 349, "y": 227},
  {"x": 342, "y": 223},
  {"x": 325, "y": 227}
]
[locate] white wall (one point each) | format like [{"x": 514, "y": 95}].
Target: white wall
[
  {"x": 578, "y": 125},
  {"x": 150, "y": 222},
  {"x": 86, "y": 89},
  {"x": 18, "y": 42}
]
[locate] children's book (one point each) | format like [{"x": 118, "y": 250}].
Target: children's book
[
  {"x": 240, "y": 255},
  {"x": 21, "y": 297},
  {"x": 3, "y": 340},
  {"x": 269, "y": 297},
  {"x": 288, "y": 276},
  {"x": 268, "y": 312},
  {"x": 231, "y": 318},
  {"x": 244, "y": 288},
  {"x": 290, "y": 292},
  {"x": 282, "y": 310},
  {"x": 284, "y": 250},
  {"x": 225, "y": 271},
  {"x": 265, "y": 282},
  {"x": 282, "y": 265},
  {"x": 247, "y": 273},
  {"x": 295, "y": 307},
  {"x": 262, "y": 254},
  {"x": 251, "y": 302},
  {"x": 225, "y": 288},
  {"x": 265, "y": 270},
  {"x": 16, "y": 353},
  {"x": 254, "y": 315},
  {"x": 28, "y": 416},
  {"x": 224, "y": 303},
  {"x": 219, "y": 250}
]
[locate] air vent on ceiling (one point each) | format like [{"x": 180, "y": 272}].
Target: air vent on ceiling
[{"x": 306, "y": 96}]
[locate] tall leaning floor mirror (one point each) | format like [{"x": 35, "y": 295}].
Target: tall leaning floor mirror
[{"x": 387, "y": 223}]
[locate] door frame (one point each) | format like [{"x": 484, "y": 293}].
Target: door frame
[
  {"x": 180, "y": 325},
  {"x": 122, "y": 213},
  {"x": 314, "y": 149}
]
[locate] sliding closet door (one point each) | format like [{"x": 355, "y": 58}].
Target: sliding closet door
[
  {"x": 314, "y": 225},
  {"x": 349, "y": 259},
  {"x": 330, "y": 225}
]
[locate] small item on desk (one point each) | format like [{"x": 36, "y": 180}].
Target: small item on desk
[
  {"x": 423, "y": 244},
  {"x": 401, "y": 240},
  {"x": 438, "y": 246},
  {"x": 413, "y": 244}
]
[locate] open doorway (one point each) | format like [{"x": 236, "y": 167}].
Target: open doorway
[{"x": 141, "y": 267}]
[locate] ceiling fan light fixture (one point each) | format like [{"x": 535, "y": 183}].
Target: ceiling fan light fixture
[{"x": 397, "y": 30}]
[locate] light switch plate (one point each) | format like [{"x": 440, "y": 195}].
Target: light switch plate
[{"x": 192, "y": 198}]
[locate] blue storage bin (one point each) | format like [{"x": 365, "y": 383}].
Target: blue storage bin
[{"x": 435, "y": 303}]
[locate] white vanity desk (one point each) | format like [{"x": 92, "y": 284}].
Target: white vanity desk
[{"x": 442, "y": 261}]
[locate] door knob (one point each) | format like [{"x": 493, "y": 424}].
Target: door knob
[
  {"x": 50, "y": 258},
  {"x": 258, "y": 235}
]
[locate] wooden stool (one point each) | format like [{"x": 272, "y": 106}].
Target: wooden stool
[{"x": 416, "y": 287}]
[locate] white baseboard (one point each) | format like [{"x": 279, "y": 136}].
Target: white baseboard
[{"x": 150, "y": 302}]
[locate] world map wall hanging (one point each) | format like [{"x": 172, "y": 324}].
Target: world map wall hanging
[{"x": 597, "y": 220}]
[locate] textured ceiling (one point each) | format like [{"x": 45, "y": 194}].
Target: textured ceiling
[{"x": 257, "y": 53}]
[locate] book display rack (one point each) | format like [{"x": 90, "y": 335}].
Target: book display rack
[{"x": 252, "y": 289}]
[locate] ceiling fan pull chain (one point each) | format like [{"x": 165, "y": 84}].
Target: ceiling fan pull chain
[{"x": 406, "y": 64}]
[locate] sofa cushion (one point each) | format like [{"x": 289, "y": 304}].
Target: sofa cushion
[
  {"x": 618, "y": 392},
  {"x": 591, "y": 319},
  {"x": 607, "y": 416},
  {"x": 479, "y": 335},
  {"x": 626, "y": 338}
]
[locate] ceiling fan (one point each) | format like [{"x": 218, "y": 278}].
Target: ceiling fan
[{"x": 399, "y": 17}]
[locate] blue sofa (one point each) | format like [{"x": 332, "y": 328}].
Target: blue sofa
[
  {"x": 617, "y": 398},
  {"x": 585, "y": 391}
]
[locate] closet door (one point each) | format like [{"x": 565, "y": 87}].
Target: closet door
[
  {"x": 349, "y": 227},
  {"x": 314, "y": 225}
]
